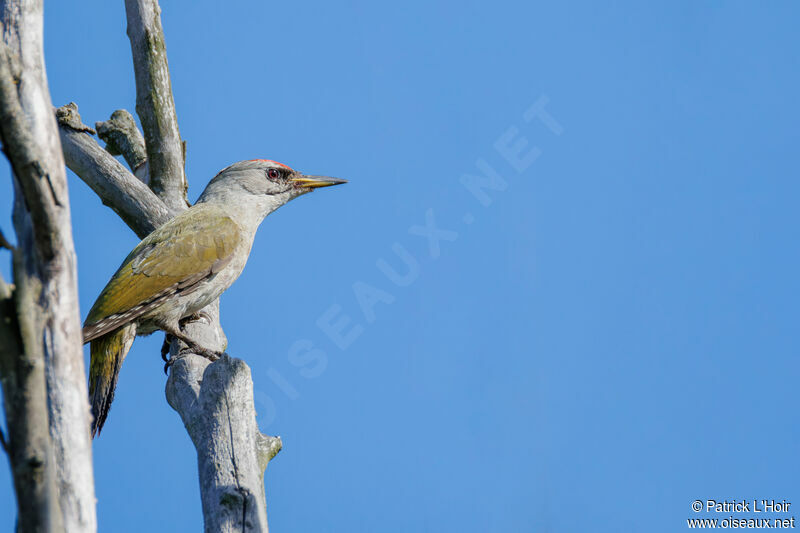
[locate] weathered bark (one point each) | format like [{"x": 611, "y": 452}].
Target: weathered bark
[
  {"x": 122, "y": 137},
  {"x": 215, "y": 401},
  {"x": 46, "y": 298},
  {"x": 154, "y": 103},
  {"x": 28, "y": 444},
  {"x": 131, "y": 199}
]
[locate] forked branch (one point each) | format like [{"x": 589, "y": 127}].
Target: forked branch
[{"x": 131, "y": 199}]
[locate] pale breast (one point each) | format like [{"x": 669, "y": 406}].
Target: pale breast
[{"x": 208, "y": 290}]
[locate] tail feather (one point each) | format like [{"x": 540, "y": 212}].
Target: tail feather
[{"x": 107, "y": 354}]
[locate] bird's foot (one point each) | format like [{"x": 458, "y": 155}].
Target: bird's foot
[
  {"x": 211, "y": 355},
  {"x": 165, "y": 348},
  {"x": 170, "y": 362}
]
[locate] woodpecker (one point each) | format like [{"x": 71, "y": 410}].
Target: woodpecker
[{"x": 184, "y": 266}]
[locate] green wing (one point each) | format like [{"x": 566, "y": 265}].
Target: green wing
[{"x": 176, "y": 257}]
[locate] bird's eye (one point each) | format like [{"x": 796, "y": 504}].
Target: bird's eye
[{"x": 273, "y": 173}]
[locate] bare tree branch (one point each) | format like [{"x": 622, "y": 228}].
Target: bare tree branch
[
  {"x": 46, "y": 296},
  {"x": 20, "y": 147},
  {"x": 215, "y": 401},
  {"x": 154, "y": 103},
  {"x": 28, "y": 444},
  {"x": 22, "y": 372},
  {"x": 122, "y": 137},
  {"x": 131, "y": 199}
]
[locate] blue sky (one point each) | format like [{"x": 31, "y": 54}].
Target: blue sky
[{"x": 612, "y": 337}]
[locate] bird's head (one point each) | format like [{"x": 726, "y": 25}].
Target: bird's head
[{"x": 260, "y": 186}]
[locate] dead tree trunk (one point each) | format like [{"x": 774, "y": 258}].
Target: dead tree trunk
[
  {"x": 215, "y": 401},
  {"x": 49, "y": 444}
]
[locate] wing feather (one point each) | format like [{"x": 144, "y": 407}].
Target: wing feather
[{"x": 194, "y": 245}]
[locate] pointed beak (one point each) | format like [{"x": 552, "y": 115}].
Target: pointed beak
[{"x": 315, "y": 182}]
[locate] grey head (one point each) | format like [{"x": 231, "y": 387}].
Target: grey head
[{"x": 252, "y": 189}]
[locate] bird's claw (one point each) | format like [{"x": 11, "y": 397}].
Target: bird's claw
[
  {"x": 211, "y": 355},
  {"x": 165, "y": 348},
  {"x": 169, "y": 363},
  {"x": 183, "y": 352}
]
